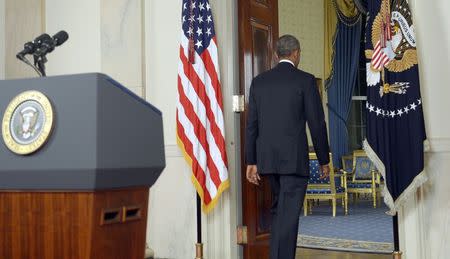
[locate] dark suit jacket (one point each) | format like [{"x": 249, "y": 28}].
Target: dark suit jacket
[{"x": 281, "y": 101}]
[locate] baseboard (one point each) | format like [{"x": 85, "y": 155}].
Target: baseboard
[{"x": 149, "y": 254}]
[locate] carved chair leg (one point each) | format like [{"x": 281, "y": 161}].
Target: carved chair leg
[
  {"x": 334, "y": 207},
  {"x": 374, "y": 194},
  {"x": 346, "y": 203},
  {"x": 305, "y": 207}
]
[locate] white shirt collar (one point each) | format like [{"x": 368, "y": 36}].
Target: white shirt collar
[{"x": 287, "y": 61}]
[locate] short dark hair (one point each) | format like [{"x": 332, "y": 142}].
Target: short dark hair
[{"x": 287, "y": 44}]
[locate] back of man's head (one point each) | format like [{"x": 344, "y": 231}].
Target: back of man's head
[{"x": 286, "y": 45}]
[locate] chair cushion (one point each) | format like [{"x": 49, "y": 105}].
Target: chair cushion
[
  {"x": 324, "y": 191},
  {"x": 360, "y": 185}
]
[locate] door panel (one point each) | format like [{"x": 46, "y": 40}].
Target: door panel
[{"x": 258, "y": 30}]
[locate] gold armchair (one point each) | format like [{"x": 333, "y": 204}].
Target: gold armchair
[
  {"x": 365, "y": 179},
  {"x": 347, "y": 164},
  {"x": 331, "y": 188}
]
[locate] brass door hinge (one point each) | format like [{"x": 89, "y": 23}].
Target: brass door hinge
[
  {"x": 241, "y": 235},
  {"x": 238, "y": 103}
]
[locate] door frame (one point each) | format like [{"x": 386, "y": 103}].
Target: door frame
[{"x": 247, "y": 11}]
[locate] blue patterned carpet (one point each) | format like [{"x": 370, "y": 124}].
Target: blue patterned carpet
[{"x": 364, "y": 229}]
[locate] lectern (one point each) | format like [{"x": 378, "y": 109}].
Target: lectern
[{"x": 78, "y": 156}]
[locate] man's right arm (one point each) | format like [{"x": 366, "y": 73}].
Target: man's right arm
[
  {"x": 251, "y": 132},
  {"x": 316, "y": 122}
]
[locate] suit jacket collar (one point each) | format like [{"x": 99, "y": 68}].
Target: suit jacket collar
[
  {"x": 285, "y": 65},
  {"x": 286, "y": 61}
]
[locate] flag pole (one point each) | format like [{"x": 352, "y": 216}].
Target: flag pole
[
  {"x": 397, "y": 254},
  {"x": 199, "y": 244}
]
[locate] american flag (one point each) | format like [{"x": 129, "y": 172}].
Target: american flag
[
  {"x": 200, "y": 122},
  {"x": 379, "y": 58}
]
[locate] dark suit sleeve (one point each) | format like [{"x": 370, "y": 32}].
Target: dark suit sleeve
[
  {"x": 316, "y": 121},
  {"x": 251, "y": 132}
]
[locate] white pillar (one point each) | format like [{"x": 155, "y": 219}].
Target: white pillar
[
  {"x": 425, "y": 219},
  {"x": 221, "y": 223},
  {"x": 172, "y": 222},
  {"x": 104, "y": 36},
  {"x": 171, "y": 226}
]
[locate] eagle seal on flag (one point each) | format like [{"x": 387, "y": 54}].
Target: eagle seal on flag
[{"x": 395, "y": 123}]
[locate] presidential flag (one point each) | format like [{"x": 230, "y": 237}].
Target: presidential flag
[
  {"x": 395, "y": 123},
  {"x": 200, "y": 122}
]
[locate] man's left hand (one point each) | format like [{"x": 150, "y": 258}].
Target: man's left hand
[{"x": 252, "y": 174}]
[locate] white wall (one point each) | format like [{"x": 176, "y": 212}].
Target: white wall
[
  {"x": 23, "y": 22},
  {"x": 104, "y": 36},
  {"x": 2, "y": 39},
  {"x": 425, "y": 219},
  {"x": 81, "y": 19},
  {"x": 122, "y": 42}
]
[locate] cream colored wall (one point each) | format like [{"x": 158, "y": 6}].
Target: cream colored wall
[
  {"x": 425, "y": 219},
  {"x": 305, "y": 20}
]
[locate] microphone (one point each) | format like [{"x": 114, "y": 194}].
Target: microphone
[
  {"x": 39, "y": 48},
  {"x": 60, "y": 37},
  {"x": 31, "y": 46},
  {"x": 49, "y": 44}
]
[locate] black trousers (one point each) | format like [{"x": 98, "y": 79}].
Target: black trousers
[{"x": 288, "y": 193}]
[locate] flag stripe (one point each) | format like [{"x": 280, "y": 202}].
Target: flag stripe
[
  {"x": 199, "y": 88},
  {"x": 199, "y": 174},
  {"x": 204, "y": 137},
  {"x": 199, "y": 68},
  {"x": 197, "y": 150},
  {"x": 211, "y": 71},
  {"x": 209, "y": 56}
]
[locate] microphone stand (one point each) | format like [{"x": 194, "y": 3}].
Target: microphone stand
[
  {"x": 26, "y": 61},
  {"x": 39, "y": 61}
]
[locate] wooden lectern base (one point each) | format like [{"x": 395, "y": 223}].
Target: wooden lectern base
[{"x": 77, "y": 225}]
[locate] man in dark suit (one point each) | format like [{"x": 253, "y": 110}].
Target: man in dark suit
[{"x": 281, "y": 101}]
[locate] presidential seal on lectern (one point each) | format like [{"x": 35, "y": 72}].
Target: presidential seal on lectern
[{"x": 27, "y": 122}]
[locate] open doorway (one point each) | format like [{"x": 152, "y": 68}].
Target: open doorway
[
  {"x": 365, "y": 227},
  {"x": 260, "y": 24}
]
